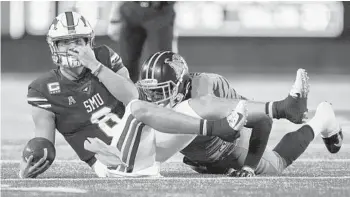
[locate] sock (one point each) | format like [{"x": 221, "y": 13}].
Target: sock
[
  {"x": 293, "y": 144},
  {"x": 275, "y": 109},
  {"x": 316, "y": 125}
]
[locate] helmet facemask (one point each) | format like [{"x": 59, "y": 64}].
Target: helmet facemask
[
  {"x": 162, "y": 93},
  {"x": 63, "y": 58}
]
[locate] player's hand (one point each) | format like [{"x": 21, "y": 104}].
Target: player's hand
[
  {"x": 107, "y": 155},
  {"x": 28, "y": 170},
  {"x": 85, "y": 55},
  {"x": 228, "y": 128},
  {"x": 114, "y": 30},
  {"x": 244, "y": 172}
]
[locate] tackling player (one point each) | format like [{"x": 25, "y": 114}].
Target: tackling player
[
  {"x": 163, "y": 78},
  {"x": 158, "y": 89},
  {"x": 85, "y": 96}
]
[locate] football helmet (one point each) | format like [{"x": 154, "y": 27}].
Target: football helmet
[
  {"x": 68, "y": 25},
  {"x": 164, "y": 78}
]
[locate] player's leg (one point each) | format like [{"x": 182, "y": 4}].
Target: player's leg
[
  {"x": 270, "y": 163},
  {"x": 132, "y": 39},
  {"x": 160, "y": 30},
  {"x": 294, "y": 107},
  {"x": 233, "y": 159},
  {"x": 257, "y": 120},
  {"x": 293, "y": 144}
]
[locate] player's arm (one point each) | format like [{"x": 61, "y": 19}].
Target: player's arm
[
  {"x": 44, "y": 122},
  {"x": 122, "y": 88},
  {"x": 214, "y": 108},
  {"x": 169, "y": 121}
]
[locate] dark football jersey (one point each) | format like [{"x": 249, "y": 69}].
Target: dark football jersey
[
  {"x": 74, "y": 102},
  {"x": 203, "y": 148}
]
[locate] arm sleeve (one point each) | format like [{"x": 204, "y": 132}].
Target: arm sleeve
[{"x": 116, "y": 60}]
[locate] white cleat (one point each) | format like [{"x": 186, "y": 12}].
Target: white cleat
[
  {"x": 295, "y": 105},
  {"x": 331, "y": 131},
  {"x": 238, "y": 117},
  {"x": 301, "y": 85}
]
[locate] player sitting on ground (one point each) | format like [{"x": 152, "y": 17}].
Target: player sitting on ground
[
  {"x": 213, "y": 155},
  {"x": 90, "y": 87},
  {"x": 87, "y": 79}
]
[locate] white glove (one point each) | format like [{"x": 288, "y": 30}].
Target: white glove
[
  {"x": 100, "y": 169},
  {"x": 107, "y": 155}
]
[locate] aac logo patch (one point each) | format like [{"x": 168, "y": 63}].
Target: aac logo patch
[
  {"x": 54, "y": 88},
  {"x": 71, "y": 100}
]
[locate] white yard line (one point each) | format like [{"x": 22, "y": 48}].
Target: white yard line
[
  {"x": 183, "y": 178},
  {"x": 180, "y": 161},
  {"x": 45, "y": 189}
]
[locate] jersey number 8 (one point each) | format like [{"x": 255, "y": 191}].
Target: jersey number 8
[{"x": 105, "y": 119}]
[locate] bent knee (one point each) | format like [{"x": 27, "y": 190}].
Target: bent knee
[{"x": 260, "y": 121}]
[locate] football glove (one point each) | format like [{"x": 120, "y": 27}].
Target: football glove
[{"x": 107, "y": 155}]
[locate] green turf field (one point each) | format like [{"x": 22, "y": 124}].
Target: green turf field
[{"x": 317, "y": 173}]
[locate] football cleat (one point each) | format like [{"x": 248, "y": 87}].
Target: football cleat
[
  {"x": 300, "y": 88},
  {"x": 334, "y": 142},
  {"x": 244, "y": 172},
  {"x": 294, "y": 107},
  {"x": 331, "y": 133}
]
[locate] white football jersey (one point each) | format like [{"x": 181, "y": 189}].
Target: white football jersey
[
  {"x": 170, "y": 144},
  {"x": 143, "y": 148}
]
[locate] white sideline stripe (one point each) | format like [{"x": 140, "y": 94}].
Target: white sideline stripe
[
  {"x": 45, "y": 189},
  {"x": 181, "y": 178},
  {"x": 180, "y": 161}
]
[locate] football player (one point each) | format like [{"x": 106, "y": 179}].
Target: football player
[
  {"x": 89, "y": 79},
  {"x": 166, "y": 79},
  {"x": 85, "y": 96},
  {"x": 165, "y": 135}
]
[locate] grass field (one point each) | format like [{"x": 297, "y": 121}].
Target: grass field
[{"x": 316, "y": 173}]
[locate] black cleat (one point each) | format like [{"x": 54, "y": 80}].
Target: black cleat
[
  {"x": 294, "y": 107},
  {"x": 334, "y": 142},
  {"x": 331, "y": 133}
]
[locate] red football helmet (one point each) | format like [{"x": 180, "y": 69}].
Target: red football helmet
[{"x": 164, "y": 78}]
